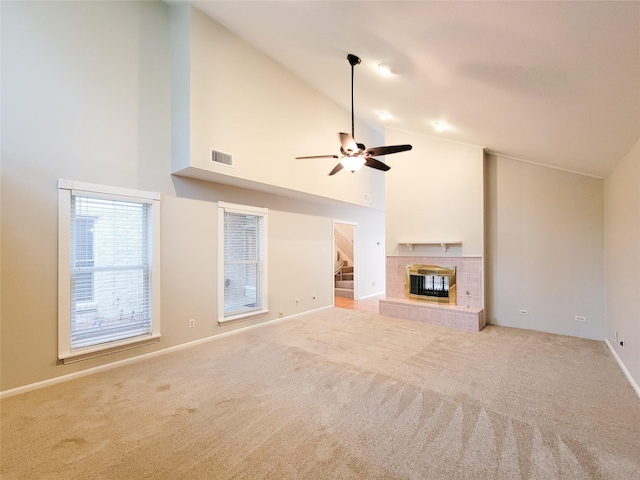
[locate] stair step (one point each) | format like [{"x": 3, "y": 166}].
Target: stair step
[
  {"x": 347, "y": 269},
  {"x": 347, "y": 276},
  {"x": 343, "y": 292},
  {"x": 344, "y": 284}
]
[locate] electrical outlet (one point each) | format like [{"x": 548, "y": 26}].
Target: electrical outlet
[
  {"x": 524, "y": 312},
  {"x": 192, "y": 323},
  {"x": 313, "y": 297},
  {"x": 615, "y": 336},
  {"x": 280, "y": 315},
  {"x": 580, "y": 318},
  {"x": 297, "y": 300}
]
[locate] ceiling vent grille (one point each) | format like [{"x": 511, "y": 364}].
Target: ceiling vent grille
[{"x": 221, "y": 158}]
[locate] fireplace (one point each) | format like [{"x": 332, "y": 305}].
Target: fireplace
[{"x": 430, "y": 283}]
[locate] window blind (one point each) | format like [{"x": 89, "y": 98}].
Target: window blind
[
  {"x": 111, "y": 248},
  {"x": 243, "y": 263}
]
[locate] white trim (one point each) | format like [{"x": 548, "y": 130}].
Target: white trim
[
  {"x": 372, "y": 295},
  {"x": 64, "y": 269},
  {"x": 66, "y": 189},
  {"x": 105, "y": 189},
  {"x": 538, "y": 164},
  {"x": 263, "y": 212},
  {"x": 238, "y": 208},
  {"x": 624, "y": 368},
  {"x": 102, "y": 349},
  {"x": 243, "y": 316},
  {"x": 101, "y": 368}
]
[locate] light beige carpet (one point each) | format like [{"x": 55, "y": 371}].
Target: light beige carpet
[{"x": 338, "y": 395}]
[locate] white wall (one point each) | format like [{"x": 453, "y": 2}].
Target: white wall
[
  {"x": 86, "y": 95},
  {"x": 622, "y": 259},
  {"x": 243, "y": 103},
  {"x": 545, "y": 248},
  {"x": 434, "y": 192}
]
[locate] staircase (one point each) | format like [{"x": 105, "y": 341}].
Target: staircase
[{"x": 343, "y": 283}]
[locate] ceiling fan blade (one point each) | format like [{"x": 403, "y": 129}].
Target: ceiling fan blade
[
  {"x": 375, "y": 151},
  {"x": 349, "y": 145},
  {"x": 377, "y": 164},
  {"x": 336, "y": 169},
  {"x": 318, "y": 156}
]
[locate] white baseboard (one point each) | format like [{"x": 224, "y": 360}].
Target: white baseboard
[
  {"x": 372, "y": 295},
  {"x": 624, "y": 368},
  {"x": 101, "y": 368}
]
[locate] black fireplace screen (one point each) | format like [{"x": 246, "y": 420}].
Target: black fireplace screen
[{"x": 430, "y": 285}]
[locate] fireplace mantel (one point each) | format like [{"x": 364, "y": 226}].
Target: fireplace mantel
[{"x": 442, "y": 243}]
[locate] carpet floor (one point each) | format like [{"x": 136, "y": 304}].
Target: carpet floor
[{"x": 338, "y": 394}]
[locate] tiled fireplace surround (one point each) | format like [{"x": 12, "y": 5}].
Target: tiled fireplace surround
[{"x": 468, "y": 314}]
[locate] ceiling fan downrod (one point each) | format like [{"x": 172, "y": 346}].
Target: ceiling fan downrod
[{"x": 353, "y": 61}]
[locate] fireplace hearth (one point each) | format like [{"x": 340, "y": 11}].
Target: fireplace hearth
[{"x": 400, "y": 303}]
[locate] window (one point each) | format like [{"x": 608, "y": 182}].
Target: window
[
  {"x": 108, "y": 268},
  {"x": 242, "y": 279}
]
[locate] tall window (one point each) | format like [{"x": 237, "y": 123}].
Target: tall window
[
  {"x": 108, "y": 268},
  {"x": 242, "y": 283}
]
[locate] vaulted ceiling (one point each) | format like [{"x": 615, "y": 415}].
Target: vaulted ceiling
[{"x": 550, "y": 82}]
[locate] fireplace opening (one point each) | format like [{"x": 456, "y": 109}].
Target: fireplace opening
[{"x": 431, "y": 283}]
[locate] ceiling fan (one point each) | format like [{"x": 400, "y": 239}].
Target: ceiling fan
[{"x": 355, "y": 155}]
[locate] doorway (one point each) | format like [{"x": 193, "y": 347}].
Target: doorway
[{"x": 345, "y": 248}]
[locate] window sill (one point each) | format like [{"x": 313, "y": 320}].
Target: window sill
[
  {"x": 243, "y": 316},
  {"x": 107, "y": 349}
]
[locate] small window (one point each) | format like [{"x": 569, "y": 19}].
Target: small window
[
  {"x": 242, "y": 288},
  {"x": 108, "y": 268}
]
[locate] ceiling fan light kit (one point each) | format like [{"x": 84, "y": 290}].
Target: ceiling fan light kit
[
  {"x": 354, "y": 154},
  {"x": 352, "y": 164}
]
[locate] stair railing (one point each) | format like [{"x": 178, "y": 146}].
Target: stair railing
[
  {"x": 337, "y": 266},
  {"x": 341, "y": 237}
]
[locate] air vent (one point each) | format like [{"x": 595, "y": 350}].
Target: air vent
[{"x": 221, "y": 158}]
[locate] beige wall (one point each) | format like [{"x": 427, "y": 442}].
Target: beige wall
[
  {"x": 87, "y": 95},
  {"x": 434, "y": 192},
  {"x": 86, "y": 90},
  {"x": 545, "y": 248},
  {"x": 622, "y": 259}
]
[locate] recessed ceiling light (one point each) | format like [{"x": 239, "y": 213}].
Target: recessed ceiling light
[
  {"x": 384, "y": 116},
  {"x": 440, "y": 126},
  {"x": 386, "y": 69}
]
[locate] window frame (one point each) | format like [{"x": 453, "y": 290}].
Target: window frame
[
  {"x": 67, "y": 188},
  {"x": 263, "y": 308}
]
